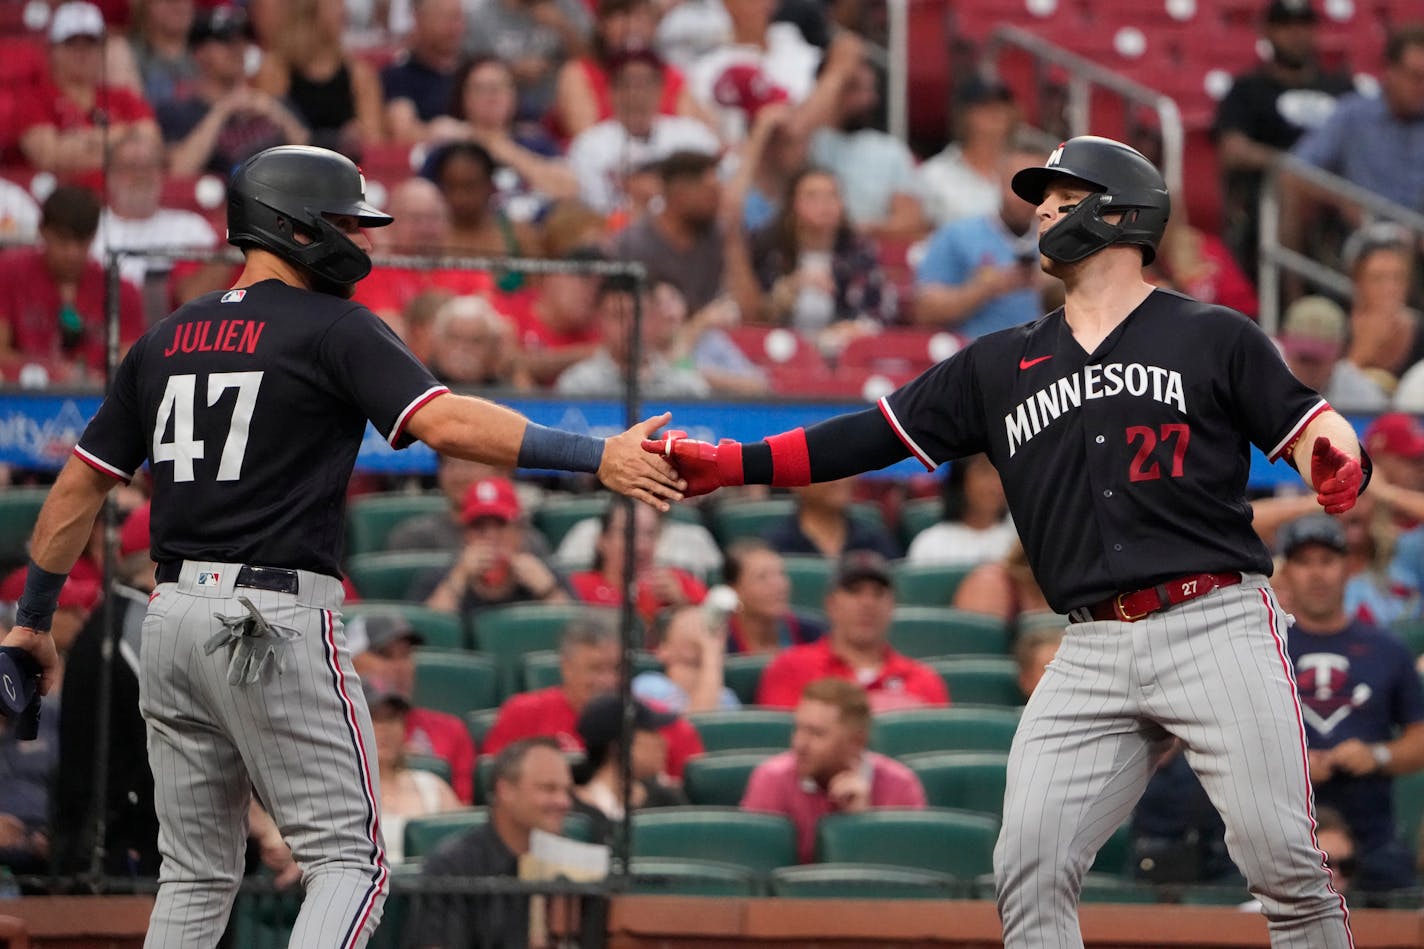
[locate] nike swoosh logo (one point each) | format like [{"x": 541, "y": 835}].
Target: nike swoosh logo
[{"x": 1030, "y": 363}]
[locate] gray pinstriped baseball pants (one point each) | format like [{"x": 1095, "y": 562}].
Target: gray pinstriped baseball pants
[
  {"x": 1212, "y": 672},
  {"x": 301, "y": 739}
]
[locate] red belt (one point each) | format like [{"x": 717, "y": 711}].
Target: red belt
[{"x": 1131, "y": 607}]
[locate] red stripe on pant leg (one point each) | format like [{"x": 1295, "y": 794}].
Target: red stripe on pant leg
[
  {"x": 373, "y": 822},
  {"x": 1304, "y": 750}
]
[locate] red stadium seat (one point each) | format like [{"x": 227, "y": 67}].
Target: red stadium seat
[
  {"x": 899, "y": 352},
  {"x": 778, "y": 348}
]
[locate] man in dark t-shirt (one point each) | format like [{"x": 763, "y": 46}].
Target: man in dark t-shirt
[
  {"x": 532, "y": 790},
  {"x": 1265, "y": 112},
  {"x": 420, "y": 84}
]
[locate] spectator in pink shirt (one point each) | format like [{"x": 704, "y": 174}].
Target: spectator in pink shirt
[{"x": 828, "y": 769}]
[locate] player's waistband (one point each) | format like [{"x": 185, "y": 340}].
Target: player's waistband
[
  {"x": 1140, "y": 604},
  {"x": 208, "y": 578}
]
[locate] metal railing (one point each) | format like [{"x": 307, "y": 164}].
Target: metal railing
[
  {"x": 1084, "y": 76},
  {"x": 1275, "y": 257}
]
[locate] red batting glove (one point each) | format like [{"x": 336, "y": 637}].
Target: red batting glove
[
  {"x": 1337, "y": 477},
  {"x": 704, "y": 466}
]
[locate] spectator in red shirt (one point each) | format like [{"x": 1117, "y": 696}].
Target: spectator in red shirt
[
  {"x": 828, "y": 769},
  {"x": 421, "y": 227},
  {"x": 859, "y": 606},
  {"x": 556, "y": 324},
  {"x": 58, "y": 125},
  {"x": 588, "y": 666},
  {"x": 383, "y": 647},
  {"x": 656, "y": 588},
  {"x": 52, "y": 296}
]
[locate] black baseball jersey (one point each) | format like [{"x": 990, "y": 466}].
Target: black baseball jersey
[
  {"x": 250, "y": 406},
  {"x": 1127, "y": 466}
]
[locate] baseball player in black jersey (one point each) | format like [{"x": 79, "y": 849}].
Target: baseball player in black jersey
[
  {"x": 249, "y": 407},
  {"x": 1120, "y": 425}
]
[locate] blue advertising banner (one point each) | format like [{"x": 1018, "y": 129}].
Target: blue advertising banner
[{"x": 38, "y": 429}]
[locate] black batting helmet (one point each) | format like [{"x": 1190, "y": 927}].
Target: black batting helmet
[
  {"x": 1126, "y": 182},
  {"x": 281, "y": 191}
]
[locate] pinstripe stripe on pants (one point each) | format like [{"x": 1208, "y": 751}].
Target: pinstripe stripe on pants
[
  {"x": 302, "y": 740},
  {"x": 1211, "y": 672}
]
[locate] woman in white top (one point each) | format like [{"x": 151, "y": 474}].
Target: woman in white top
[
  {"x": 974, "y": 526},
  {"x": 405, "y": 793}
]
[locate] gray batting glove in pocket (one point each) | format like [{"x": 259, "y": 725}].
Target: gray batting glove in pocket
[{"x": 258, "y": 648}]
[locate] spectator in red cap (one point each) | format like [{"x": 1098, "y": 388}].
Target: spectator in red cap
[
  {"x": 58, "y": 130},
  {"x": 492, "y": 568},
  {"x": 856, "y": 647},
  {"x": 1395, "y": 442}
]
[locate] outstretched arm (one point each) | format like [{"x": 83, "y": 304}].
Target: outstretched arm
[
  {"x": 480, "y": 430},
  {"x": 827, "y": 451}
]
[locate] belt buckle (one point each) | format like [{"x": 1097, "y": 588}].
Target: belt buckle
[{"x": 1122, "y": 610}]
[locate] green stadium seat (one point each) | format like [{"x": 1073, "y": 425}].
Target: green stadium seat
[
  {"x": 1106, "y": 888},
  {"x": 742, "y": 673},
  {"x": 754, "y": 841},
  {"x": 440, "y": 630},
  {"x": 19, "y": 507},
  {"x": 507, "y": 633},
  {"x": 436, "y": 766},
  {"x": 928, "y": 584},
  {"x": 958, "y": 728},
  {"x": 424, "y": 834},
  {"x": 979, "y": 680},
  {"x": 731, "y": 522},
  {"x": 918, "y": 514},
  {"x": 388, "y": 576},
  {"x": 966, "y": 780},
  {"x": 370, "y": 519},
  {"x": 1409, "y": 807},
  {"x": 478, "y": 723},
  {"x": 556, "y": 516},
  {"x": 1113, "y": 856},
  {"x": 861, "y": 881},
  {"x": 956, "y": 843},
  {"x": 720, "y": 777},
  {"x": 1412, "y": 632},
  {"x": 922, "y": 632},
  {"x": 540, "y": 669},
  {"x": 744, "y": 729},
  {"x": 454, "y": 681},
  {"x": 810, "y": 578},
  {"x": 661, "y": 876}
]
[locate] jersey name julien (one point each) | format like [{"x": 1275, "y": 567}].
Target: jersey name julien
[
  {"x": 250, "y": 407},
  {"x": 1123, "y": 467}
]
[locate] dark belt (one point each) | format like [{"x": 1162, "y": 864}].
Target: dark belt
[
  {"x": 275, "y": 579},
  {"x": 1131, "y": 607}
]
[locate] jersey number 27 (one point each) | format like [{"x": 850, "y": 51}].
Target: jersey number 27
[{"x": 179, "y": 405}]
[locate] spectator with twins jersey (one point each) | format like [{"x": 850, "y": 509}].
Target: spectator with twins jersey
[{"x": 1360, "y": 697}]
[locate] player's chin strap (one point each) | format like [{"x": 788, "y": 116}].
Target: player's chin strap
[{"x": 258, "y": 647}]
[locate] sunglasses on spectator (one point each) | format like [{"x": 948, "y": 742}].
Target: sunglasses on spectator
[{"x": 1343, "y": 866}]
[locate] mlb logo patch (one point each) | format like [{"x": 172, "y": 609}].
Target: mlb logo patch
[
  {"x": 233, "y": 296},
  {"x": 206, "y": 579}
]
